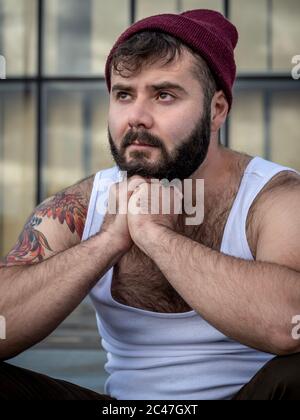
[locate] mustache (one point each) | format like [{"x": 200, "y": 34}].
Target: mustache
[{"x": 143, "y": 137}]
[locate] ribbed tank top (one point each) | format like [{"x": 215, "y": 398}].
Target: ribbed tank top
[{"x": 174, "y": 356}]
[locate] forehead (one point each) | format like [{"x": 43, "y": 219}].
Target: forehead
[{"x": 179, "y": 69}]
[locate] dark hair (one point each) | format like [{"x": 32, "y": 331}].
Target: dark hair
[{"x": 148, "y": 47}]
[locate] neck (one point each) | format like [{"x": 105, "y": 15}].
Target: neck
[
  {"x": 221, "y": 171},
  {"x": 215, "y": 170}
]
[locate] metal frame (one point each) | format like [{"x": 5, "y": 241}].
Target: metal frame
[
  {"x": 39, "y": 101},
  {"x": 267, "y": 82}
]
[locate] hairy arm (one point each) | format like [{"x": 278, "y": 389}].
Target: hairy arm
[
  {"x": 49, "y": 271},
  {"x": 252, "y": 302}
]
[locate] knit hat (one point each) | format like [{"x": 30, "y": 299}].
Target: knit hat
[{"x": 206, "y": 32}]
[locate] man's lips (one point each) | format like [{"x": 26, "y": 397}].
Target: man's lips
[{"x": 138, "y": 144}]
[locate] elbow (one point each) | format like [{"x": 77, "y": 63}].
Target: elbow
[
  {"x": 284, "y": 335},
  {"x": 286, "y": 344},
  {"x": 286, "y": 350},
  {"x": 289, "y": 348},
  {"x": 7, "y": 353}
]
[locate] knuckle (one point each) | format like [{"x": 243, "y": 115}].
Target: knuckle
[{"x": 135, "y": 182}]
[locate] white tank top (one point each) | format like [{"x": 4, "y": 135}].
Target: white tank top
[{"x": 174, "y": 356}]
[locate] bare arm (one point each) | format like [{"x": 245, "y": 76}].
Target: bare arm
[
  {"x": 49, "y": 271},
  {"x": 253, "y": 302}
]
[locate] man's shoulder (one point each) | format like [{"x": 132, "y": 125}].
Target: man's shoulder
[
  {"x": 279, "y": 196},
  {"x": 277, "y": 221},
  {"x": 82, "y": 188},
  {"x": 284, "y": 182},
  {"x": 70, "y": 205},
  {"x": 55, "y": 225},
  {"x": 65, "y": 211}
]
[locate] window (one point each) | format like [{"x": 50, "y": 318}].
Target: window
[
  {"x": 18, "y": 36},
  {"x": 17, "y": 158},
  {"x": 79, "y": 35},
  {"x": 266, "y": 100},
  {"x": 53, "y": 104},
  {"x": 75, "y": 130}
]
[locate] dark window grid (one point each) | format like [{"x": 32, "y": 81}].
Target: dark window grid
[
  {"x": 267, "y": 85},
  {"x": 40, "y": 81},
  {"x": 263, "y": 81}
]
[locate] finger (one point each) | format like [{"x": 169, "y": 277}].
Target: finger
[{"x": 135, "y": 182}]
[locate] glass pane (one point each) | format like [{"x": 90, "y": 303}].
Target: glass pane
[
  {"x": 246, "y": 123},
  {"x": 269, "y": 33},
  {"x": 17, "y": 160},
  {"x": 154, "y": 7},
  {"x": 203, "y": 4},
  {"x": 75, "y": 136},
  {"x": 79, "y": 34},
  {"x": 285, "y": 144},
  {"x": 148, "y": 8},
  {"x": 286, "y": 33},
  {"x": 248, "y": 129},
  {"x": 18, "y": 36},
  {"x": 251, "y": 19}
]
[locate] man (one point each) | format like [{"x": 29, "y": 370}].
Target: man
[{"x": 184, "y": 311}]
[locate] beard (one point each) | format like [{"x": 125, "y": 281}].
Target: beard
[{"x": 180, "y": 164}]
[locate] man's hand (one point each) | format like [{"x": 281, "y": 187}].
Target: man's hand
[
  {"x": 153, "y": 205},
  {"x": 116, "y": 219}
]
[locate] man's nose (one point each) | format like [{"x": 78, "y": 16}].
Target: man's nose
[{"x": 139, "y": 115}]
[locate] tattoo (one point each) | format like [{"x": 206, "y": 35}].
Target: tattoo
[
  {"x": 2, "y": 263},
  {"x": 64, "y": 207},
  {"x": 32, "y": 243}
]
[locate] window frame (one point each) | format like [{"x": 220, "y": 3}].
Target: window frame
[{"x": 264, "y": 81}]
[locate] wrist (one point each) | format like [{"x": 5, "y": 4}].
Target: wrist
[
  {"x": 150, "y": 236},
  {"x": 112, "y": 246}
]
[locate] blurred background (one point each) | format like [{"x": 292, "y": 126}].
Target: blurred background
[{"x": 53, "y": 118}]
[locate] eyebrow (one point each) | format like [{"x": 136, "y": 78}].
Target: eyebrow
[{"x": 155, "y": 88}]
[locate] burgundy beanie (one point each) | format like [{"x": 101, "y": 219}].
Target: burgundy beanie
[{"x": 206, "y": 32}]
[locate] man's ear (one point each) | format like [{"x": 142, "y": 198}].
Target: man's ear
[{"x": 219, "y": 110}]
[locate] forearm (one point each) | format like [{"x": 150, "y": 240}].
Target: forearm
[
  {"x": 35, "y": 299},
  {"x": 251, "y": 302}
]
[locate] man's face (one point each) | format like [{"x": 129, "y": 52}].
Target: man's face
[{"x": 156, "y": 129}]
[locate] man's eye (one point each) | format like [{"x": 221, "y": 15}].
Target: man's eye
[
  {"x": 120, "y": 95},
  {"x": 164, "y": 94}
]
